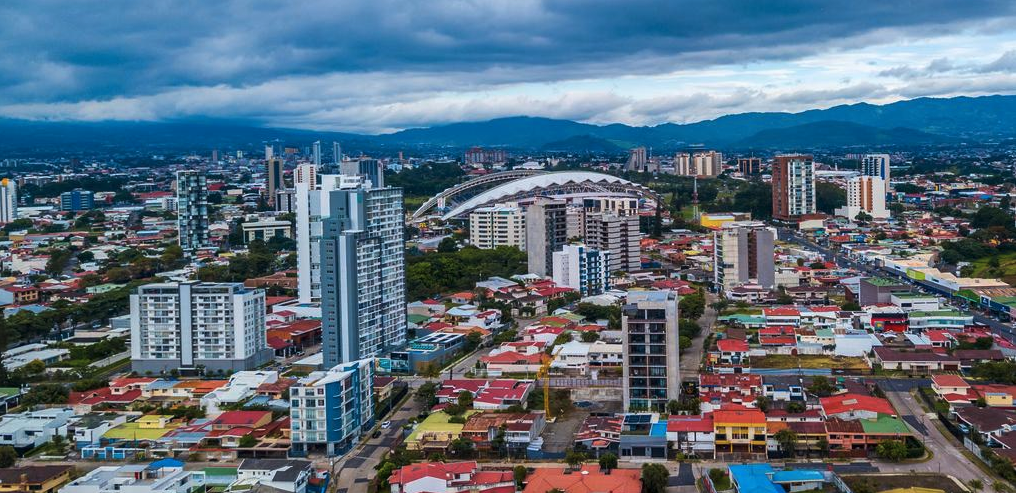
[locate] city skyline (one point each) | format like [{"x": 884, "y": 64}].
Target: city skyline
[{"x": 391, "y": 67}]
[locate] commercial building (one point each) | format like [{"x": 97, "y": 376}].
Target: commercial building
[
  {"x": 582, "y": 268},
  {"x": 546, "y": 233},
  {"x": 285, "y": 200},
  {"x": 637, "y": 159},
  {"x": 650, "y": 341},
  {"x": 617, "y": 235},
  {"x": 371, "y": 171},
  {"x": 266, "y": 230},
  {"x": 77, "y": 200},
  {"x": 875, "y": 165},
  {"x": 192, "y": 209},
  {"x": 793, "y": 187},
  {"x": 743, "y": 254},
  {"x": 363, "y": 274},
  {"x": 749, "y": 165},
  {"x": 330, "y": 410},
  {"x": 184, "y": 326},
  {"x": 865, "y": 194},
  {"x": 8, "y": 200},
  {"x": 499, "y": 225},
  {"x": 275, "y": 178}
]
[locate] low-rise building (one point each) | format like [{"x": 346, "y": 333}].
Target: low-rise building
[{"x": 331, "y": 409}]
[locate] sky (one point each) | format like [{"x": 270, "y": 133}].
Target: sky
[{"x": 378, "y": 66}]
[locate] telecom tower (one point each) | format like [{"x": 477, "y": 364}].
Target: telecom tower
[{"x": 694, "y": 199}]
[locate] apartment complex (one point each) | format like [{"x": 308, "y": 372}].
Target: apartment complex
[
  {"x": 216, "y": 326},
  {"x": 77, "y": 200},
  {"x": 637, "y": 159},
  {"x": 617, "y": 235},
  {"x": 582, "y": 268},
  {"x": 363, "y": 274},
  {"x": 865, "y": 194},
  {"x": 546, "y": 233},
  {"x": 702, "y": 164},
  {"x": 275, "y": 178},
  {"x": 498, "y": 225},
  {"x": 650, "y": 346},
  {"x": 875, "y": 165},
  {"x": 192, "y": 209},
  {"x": 331, "y": 409},
  {"x": 743, "y": 253},
  {"x": 749, "y": 165},
  {"x": 793, "y": 186}
]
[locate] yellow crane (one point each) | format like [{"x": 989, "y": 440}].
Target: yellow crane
[{"x": 544, "y": 374}]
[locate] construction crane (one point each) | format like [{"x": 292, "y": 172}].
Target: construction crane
[{"x": 544, "y": 374}]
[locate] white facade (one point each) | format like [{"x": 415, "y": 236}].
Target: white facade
[
  {"x": 331, "y": 409},
  {"x": 218, "y": 326},
  {"x": 136, "y": 478},
  {"x": 704, "y": 164},
  {"x": 583, "y": 269},
  {"x": 311, "y": 209},
  {"x": 875, "y": 165},
  {"x": 617, "y": 235},
  {"x": 305, "y": 173},
  {"x": 743, "y": 253},
  {"x": 8, "y": 200},
  {"x": 865, "y": 194},
  {"x": 499, "y": 225},
  {"x": 31, "y": 429}
]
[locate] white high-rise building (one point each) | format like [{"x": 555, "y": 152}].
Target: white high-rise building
[
  {"x": 875, "y": 165},
  {"x": 269, "y": 151},
  {"x": 363, "y": 274},
  {"x": 336, "y": 153},
  {"x": 865, "y": 194},
  {"x": 305, "y": 173},
  {"x": 637, "y": 159},
  {"x": 652, "y": 362},
  {"x": 498, "y": 225},
  {"x": 793, "y": 186},
  {"x": 583, "y": 269},
  {"x": 701, "y": 164},
  {"x": 8, "y": 200},
  {"x": 618, "y": 235},
  {"x": 743, "y": 253},
  {"x": 317, "y": 152},
  {"x": 217, "y": 326}
]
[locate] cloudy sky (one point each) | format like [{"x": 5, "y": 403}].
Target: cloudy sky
[{"x": 382, "y": 65}]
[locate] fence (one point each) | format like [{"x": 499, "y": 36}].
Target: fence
[
  {"x": 110, "y": 360},
  {"x": 578, "y": 383}
]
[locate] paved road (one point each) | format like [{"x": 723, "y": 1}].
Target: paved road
[{"x": 691, "y": 360}]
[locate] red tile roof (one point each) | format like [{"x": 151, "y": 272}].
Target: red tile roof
[{"x": 855, "y": 402}]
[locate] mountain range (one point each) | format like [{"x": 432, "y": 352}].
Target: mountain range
[{"x": 923, "y": 121}]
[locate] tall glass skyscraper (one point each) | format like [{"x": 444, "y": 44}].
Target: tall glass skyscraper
[{"x": 192, "y": 209}]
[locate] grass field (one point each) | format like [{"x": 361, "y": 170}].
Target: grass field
[
  {"x": 1006, "y": 269},
  {"x": 888, "y": 482},
  {"x": 786, "y": 361}
]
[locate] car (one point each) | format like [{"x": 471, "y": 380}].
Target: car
[
  {"x": 386, "y": 425},
  {"x": 377, "y": 434}
]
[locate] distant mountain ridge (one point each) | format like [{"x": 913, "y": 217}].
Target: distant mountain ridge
[{"x": 923, "y": 121}]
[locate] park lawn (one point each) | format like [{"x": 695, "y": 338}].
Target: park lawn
[
  {"x": 1006, "y": 269},
  {"x": 786, "y": 361},
  {"x": 879, "y": 482}
]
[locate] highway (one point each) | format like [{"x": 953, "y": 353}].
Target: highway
[{"x": 996, "y": 326}]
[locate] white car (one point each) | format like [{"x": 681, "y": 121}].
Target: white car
[{"x": 386, "y": 425}]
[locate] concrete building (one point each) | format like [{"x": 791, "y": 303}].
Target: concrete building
[
  {"x": 336, "y": 153},
  {"x": 266, "y": 230},
  {"x": 27, "y": 430},
  {"x": 879, "y": 290},
  {"x": 682, "y": 164},
  {"x": 8, "y": 200},
  {"x": 275, "y": 178},
  {"x": 546, "y": 233},
  {"x": 749, "y": 166},
  {"x": 582, "y": 268},
  {"x": 77, "y": 200},
  {"x": 371, "y": 171},
  {"x": 363, "y": 274},
  {"x": 285, "y": 200},
  {"x": 617, "y": 235},
  {"x": 865, "y": 194},
  {"x": 217, "y": 326},
  {"x": 499, "y": 225},
  {"x": 192, "y": 210},
  {"x": 875, "y": 165},
  {"x": 316, "y": 153},
  {"x": 702, "y": 164},
  {"x": 743, "y": 254},
  {"x": 305, "y": 173},
  {"x": 793, "y": 187},
  {"x": 163, "y": 476},
  {"x": 330, "y": 410},
  {"x": 650, "y": 340},
  {"x": 637, "y": 159}
]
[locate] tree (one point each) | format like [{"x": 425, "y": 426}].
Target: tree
[
  {"x": 850, "y": 306},
  {"x": 59, "y": 442},
  {"x": 821, "y": 387},
  {"x": 608, "y": 461},
  {"x": 8, "y": 456},
  {"x": 465, "y": 399},
  {"x": 520, "y": 473},
  {"x": 891, "y": 450},
  {"x": 762, "y": 403},
  {"x": 462, "y": 447},
  {"x": 426, "y": 395},
  {"x": 248, "y": 441},
  {"x": 384, "y": 474},
  {"x": 692, "y": 306},
  {"x": 590, "y": 336},
  {"x": 58, "y": 261},
  {"x": 574, "y": 458},
  {"x": 795, "y": 408},
  {"x": 829, "y": 197},
  {"x": 654, "y": 478},
  {"x": 787, "y": 439},
  {"x": 976, "y": 484},
  {"x": 823, "y": 447},
  {"x": 688, "y": 328},
  {"x": 473, "y": 340},
  {"x": 448, "y": 245},
  {"x": 172, "y": 256}
]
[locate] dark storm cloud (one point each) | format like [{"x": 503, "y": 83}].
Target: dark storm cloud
[{"x": 66, "y": 51}]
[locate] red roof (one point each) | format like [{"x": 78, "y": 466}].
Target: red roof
[
  {"x": 732, "y": 346},
  {"x": 855, "y": 402},
  {"x": 751, "y": 416},
  {"x": 690, "y": 423},
  {"x": 240, "y": 418},
  {"x": 439, "y": 470},
  {"x": 949, "y": 381}
]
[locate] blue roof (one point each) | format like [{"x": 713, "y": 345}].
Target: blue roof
[
  {"x": 167, "y": 462},
  {"x": 753, "y": 478},
  {"x": 797, "y": 475},
  {"x": 162, "y": 384},
  {"x": 659, "y": 429}
]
